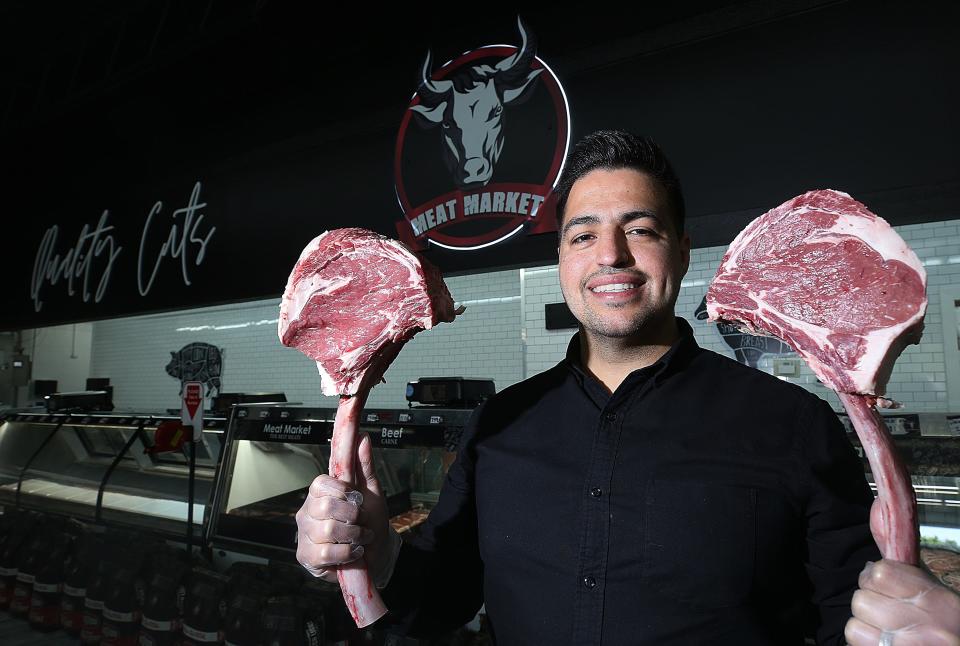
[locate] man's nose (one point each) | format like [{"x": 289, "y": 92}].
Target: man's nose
[{"x": 613, "y": 250}]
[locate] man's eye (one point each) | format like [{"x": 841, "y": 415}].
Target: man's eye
[
  {"x": 583, "y": 237},
  {"x": 640, "y": 232}
]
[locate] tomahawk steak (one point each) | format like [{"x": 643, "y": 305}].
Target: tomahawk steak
[
  {"x": 836, "y": 282},
  {"x": 352, "y": 300}
]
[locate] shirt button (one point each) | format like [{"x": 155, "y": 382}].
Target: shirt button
[
  {"x": 596, "y": 492},
  {"x": 611, "y": 417},
  {"x": 589, "y": 582}
]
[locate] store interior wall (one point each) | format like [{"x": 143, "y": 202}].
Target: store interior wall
[
  {"x": 134, "y": 352},
  {"x": 61, "y": 352},
  {"x": 501, "y": 336},
  {"x": 7, "y": 393}
]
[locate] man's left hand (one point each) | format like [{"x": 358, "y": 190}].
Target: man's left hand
[{"x": 902, "y": 605}]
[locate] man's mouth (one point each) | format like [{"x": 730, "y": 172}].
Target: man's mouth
[{"x": 614, "y": 287}]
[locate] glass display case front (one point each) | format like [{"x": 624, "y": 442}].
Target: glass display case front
[
  {"x": 274, "y": 453},
  {"x": 114, "y": 468}
]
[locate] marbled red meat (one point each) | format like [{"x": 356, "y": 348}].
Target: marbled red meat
[
  {"x": 353, "y": 299},
  {"x": 835, "y": 282}
]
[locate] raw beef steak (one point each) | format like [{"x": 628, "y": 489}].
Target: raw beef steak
[
  {"x": 837, "y": 283},
  {"x": 352, "y": 300}
]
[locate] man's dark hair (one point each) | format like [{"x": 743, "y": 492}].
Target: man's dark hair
[{"x": 613, "y": 149}]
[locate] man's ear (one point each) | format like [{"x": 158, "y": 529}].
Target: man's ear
[{"x": 685, "y": 252}]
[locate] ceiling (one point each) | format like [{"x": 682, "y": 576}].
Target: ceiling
[
  {"x": 182, "y": 57},
  {"x": 130, "y": 89}
]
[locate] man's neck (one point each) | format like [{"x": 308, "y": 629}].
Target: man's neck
[{"x": 611, "y": 359}]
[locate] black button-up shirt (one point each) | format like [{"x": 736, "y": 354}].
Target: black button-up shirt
[{"x": 703, "y": 502}]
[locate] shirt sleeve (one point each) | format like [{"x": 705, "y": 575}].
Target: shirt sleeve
[
  {"x": 837, "y": 514},
  {"x": 437, "y": 581}
]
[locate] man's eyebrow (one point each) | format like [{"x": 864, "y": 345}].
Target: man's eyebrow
[
  {"x": 577, "y": 221},
  {"x": 641, "y": 214},
  {"x": 624, "y": 218}
]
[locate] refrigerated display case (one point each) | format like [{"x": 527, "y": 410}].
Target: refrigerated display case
[
  {"x": 273, "y": 453},
  {"x": 100, "y": 467}
]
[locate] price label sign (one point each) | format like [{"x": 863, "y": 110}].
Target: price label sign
[
  {"x": 191, "y": 410},
  {"x": 953, "y": 424}
]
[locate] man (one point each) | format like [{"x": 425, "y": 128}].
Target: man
[{"x": 643, "y": 491}]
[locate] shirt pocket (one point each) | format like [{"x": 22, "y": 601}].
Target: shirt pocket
[{"x": 700, "y": 542}]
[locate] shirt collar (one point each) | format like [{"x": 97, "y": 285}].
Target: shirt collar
[{"x": 674, "y": 359}]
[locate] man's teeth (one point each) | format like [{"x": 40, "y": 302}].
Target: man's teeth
[{"x": 616, "y": 287}]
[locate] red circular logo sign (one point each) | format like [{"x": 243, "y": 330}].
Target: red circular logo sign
[{"x": 480, "y": 148}]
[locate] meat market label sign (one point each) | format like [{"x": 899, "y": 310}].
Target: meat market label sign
[
  {"x": 289, "y": 433},
  {"x": 480, "y": 148}
]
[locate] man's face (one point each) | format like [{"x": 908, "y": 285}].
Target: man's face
[{"x": 621, "y": 259}]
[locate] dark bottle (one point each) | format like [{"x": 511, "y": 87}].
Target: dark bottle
[
  {"x": 202, "y": 618},
  {"x": 16, "y": 544},
  {"x": 244, "y": 577},
  {"x": 323, "y": 606},
  {"x": 30, "y": 563},
  {"x": 44, "y": 614},
  {"x": 121, "y": 612},
  {"x": 281, "y": 623},
  {"x": 93, "y": 601},
  {"x": 314, "y": 619},
  {"x": 7, "y": 535},
  {"x": 119, "y": 553},
  {"x": 160, "y": 620},
  {"x": 241, "y": 627},
  {"x": 77, "y": 573}
]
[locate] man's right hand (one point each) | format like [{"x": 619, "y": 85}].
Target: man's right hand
[{"x": 338, "y": 524}]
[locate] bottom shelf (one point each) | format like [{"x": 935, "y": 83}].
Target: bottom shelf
[{"x": 15, "y": 631}]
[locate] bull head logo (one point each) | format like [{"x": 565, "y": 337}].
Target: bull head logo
[{"x": 470, "y": 108}]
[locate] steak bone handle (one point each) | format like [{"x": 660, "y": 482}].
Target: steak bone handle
[
  {"x": 359, "y": 592},
  {"x": 893, "y": 517}
]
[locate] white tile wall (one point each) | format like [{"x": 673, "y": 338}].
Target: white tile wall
[
  {"x": 502, "y": 336},
  {"x": 133, "y": 352}
]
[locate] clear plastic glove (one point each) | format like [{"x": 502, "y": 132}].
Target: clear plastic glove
[
  {"x": 902, "y": 605},
  {"x": 338, "y": 524}
]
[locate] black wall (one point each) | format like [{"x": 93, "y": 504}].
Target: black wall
[{"x": 290, "y": 122}]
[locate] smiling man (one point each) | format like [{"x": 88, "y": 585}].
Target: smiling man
[
  {"x": 644, "y": 490},
  {"x": 622, "y": 256}
]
